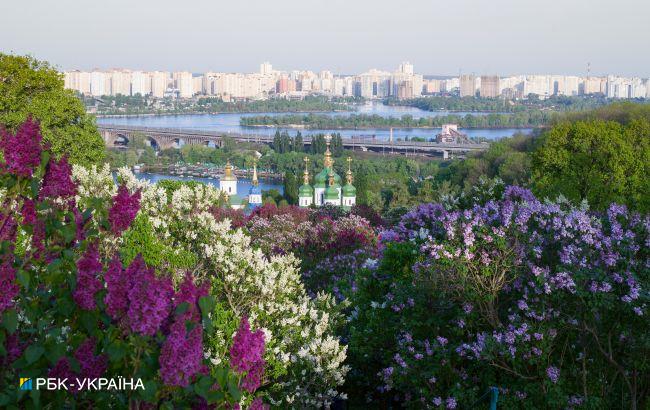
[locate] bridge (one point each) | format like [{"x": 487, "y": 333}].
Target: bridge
[{"x": 164, "y": 138}]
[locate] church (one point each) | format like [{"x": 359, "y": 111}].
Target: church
[
  {"x": 327, "y": 187},
  {"x": 228, "y": 185}
]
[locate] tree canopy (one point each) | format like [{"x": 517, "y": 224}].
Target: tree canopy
[
  {"x": 602, "y": 161},
  {"x": 32, "y": 87}
]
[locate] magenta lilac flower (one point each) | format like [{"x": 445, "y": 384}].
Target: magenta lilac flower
[
  {"x": 125, "y": 208},
  {"x": 88, "y": 283},
  {"x": 117, "y": 287},
  {"x": 57, "y": 182},
  {"x": 28, "y": 212},
  {"x": 149, "y": 298},
  {"x": 22, "y": 150},
  {"x": 182, "y": 353},
  {"x": 247, "y": 355},
  {"x": 91, "y": 365}
]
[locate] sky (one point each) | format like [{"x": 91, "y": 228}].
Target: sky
[{"x": 345, "y": 36}]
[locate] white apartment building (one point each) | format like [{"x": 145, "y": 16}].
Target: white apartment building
[
  {"x": 159, "y": 83},
  {"x": 184, "y": 84}
]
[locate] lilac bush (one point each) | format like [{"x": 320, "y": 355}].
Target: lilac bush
[
  {"x": 546, "y": 301},
  {"x": 70, "y": 308}
]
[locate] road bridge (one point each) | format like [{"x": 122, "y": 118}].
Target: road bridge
[{"x": 164, "y": 138}]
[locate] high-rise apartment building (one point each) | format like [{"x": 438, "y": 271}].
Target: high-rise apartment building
[
  {"x": 159, "y": 83},
  {"x": 490, "y": 87},
  {"x": 467, "y": 85},
  {"x": 266, "y": 68},
  {"x": 184, "y": 84},
  {"x": 99, "y": 83}
]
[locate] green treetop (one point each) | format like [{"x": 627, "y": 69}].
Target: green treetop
[{"x": 32, "y": 87}]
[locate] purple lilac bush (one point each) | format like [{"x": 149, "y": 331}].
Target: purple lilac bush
[
  {"x": 543, "y": 300},
  {"x": 70, "y": 308}
]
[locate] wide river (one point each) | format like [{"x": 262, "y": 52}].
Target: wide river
[{"x": 230, "y": 123}]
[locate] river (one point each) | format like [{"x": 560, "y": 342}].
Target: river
[
  {"x": 230, "y": 123},
  {"x": 243, "y": 184}
]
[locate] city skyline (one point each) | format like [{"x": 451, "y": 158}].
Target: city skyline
[{"x": 506, "y": 38}]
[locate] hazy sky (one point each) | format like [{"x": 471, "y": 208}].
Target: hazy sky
[{"x": 345, "y": 36}]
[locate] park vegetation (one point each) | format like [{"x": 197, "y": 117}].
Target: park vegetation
[
  {"x": 523, "y": 119},
  {"x": 519, "y": 274},
  {"x": 141, "y": 105}
]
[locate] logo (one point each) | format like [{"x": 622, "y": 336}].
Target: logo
[{"x": 25, "y": 383}]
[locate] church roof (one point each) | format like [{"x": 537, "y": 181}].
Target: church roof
[
  {"x": 321, "y": 179},
  {"x": 349, "y": 190},
  {"x": 332, "y": 192},
  {"x": 305, "y": 190}
]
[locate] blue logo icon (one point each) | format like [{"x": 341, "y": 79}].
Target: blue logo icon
[{"x": 25, "y": 383}]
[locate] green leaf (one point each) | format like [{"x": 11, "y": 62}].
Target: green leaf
[
  {"x": 33, "y": 353},
  {"x": 10, "y": 320},
  {"x": 23, "y": 278},
  {"x": 115, "y": 352},
  {"x": 233, "y": 389},
  {"x": 182, "y": 308},
  {"x": 206, "y": 303}
]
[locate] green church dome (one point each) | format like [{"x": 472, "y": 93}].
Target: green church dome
[
  {"x": 305, "y": 190},
  {"x": 321, "y": 179},
  {"x": 349, "y": 190},
  {"x": 332, "y": 192}
]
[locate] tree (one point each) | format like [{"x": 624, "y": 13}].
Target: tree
[
  {"x": 298, "y": 144},
  {"x": 600, "y": 161},
  {"x": 32, "y": 87},
  {"x": 291, "y": 187}
]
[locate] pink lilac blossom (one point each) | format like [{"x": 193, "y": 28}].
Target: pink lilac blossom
[
  {"x": 28, "y": 212},
  {"x": 117, "y": 286},
  {"x": 247, "y": 355},
  {"x": 125, "y": 208},
  {"x": 88, "y": 283},
  {"x": 182, "y": 353},
  {"x": 22, "y": 151},
  {"x": 91, "y": 366},
  {"x": 149, "y": 298},
  {"x": 57, "y": 182}
]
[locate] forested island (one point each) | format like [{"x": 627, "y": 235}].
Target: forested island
[
  {"x": 144, "y": 105},
  {"x": 524, "y": 119},
  {"x": 501, "y": 105}
]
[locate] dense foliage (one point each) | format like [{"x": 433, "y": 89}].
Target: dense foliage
[
  {"x": 523, "y": 119},
  {"x": 29, "y": 87},
  {"x": 138, "y": 104},
  {"x": 545, "y": 301},
  {"x": 476, "y": 104},
  {"x": 602, "y": 158},
  {"x": 142, "y": 282}
]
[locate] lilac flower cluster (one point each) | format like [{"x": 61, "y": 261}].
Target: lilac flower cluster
[
  {"x": 149, "y": 298},
  {"x": 137, "y": 296},
  {"x": 182, "y": 353},
  {"x": 90, "y": 365},
  {"x": 57, "y": 182},
  {"x": 125, "y": 208},
  {"x": 22, "y": 151},
  {"x": 247, "y": 355},
  {"x": 88, "y": 284}
]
